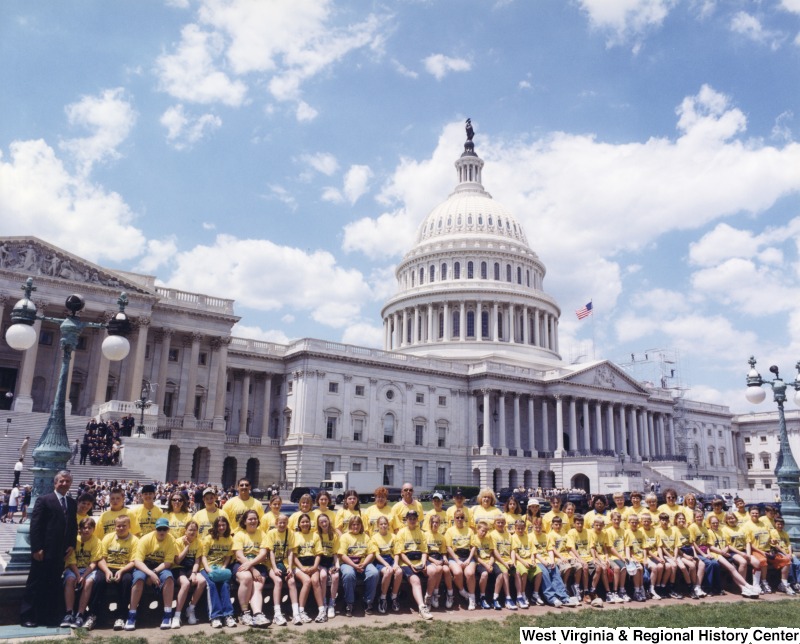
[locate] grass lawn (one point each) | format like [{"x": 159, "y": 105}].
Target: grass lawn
[{"x": 734, "y": 615}]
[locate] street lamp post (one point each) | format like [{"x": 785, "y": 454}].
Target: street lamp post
[
  {"x": 143, "y": 403},
  {"x": 52, "y": 452},
  {"x": 787, "y": 472}
]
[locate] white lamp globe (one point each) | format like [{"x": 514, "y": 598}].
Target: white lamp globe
[
  {"x": 797, "y": 398},
  {"x": 755, "y": 395},
  {"x": 116, "y": 347},
  {"x": 20, "y": 337}
]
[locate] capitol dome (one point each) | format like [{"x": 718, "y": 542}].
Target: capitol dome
[{"x": 471, "y": 286}]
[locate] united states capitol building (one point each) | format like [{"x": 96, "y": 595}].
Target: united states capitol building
[{"x": 470, "y": 387}]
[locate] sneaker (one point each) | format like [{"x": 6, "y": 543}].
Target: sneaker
[
  {"x": 260, "y": 619},
  {"x": 654, "y": 594},
  {"x": 332, "y": 611},
  {"x": 766, "y": 588},
  {"x": 304, "y": 616},
  {"x": 230, "y": 621},
  {"x": 796, "y": 588},
  {"x": 216, "y": 623},
  {"x": 640, "y": 595},
  {"x": 611, "y": 597},
  {"x": 382, "y": 605},
  {"x": 428, "y": 600},
  {"x": 279, "y": 620},
  {"x": 472, "y": 605},
  {"x": 448, "y": 601},
  {"x": 348, "y": 610},
  {"x": 322, "y": 616},
  {"x": 435, "y": 600},
  {"x": 119, "y": 624},
  {"x": 536, "y": 598},
  {"x": 623, "y": 595},
  {"x": 246, "y": 618},
  {"x": 130, "y": 624},
  {"x": 522, "y": 602},
  {"x": 557, "y": 603},
  {"x": 191, "y": 618},
  {"x": 367, "y": 609},
  {"x": 573, "y": 602},
  {"x": 176, "y": 621},
  {"x": 89, "y": 622},
  {"x": 675, "y": 594},
  {"x": 747, "y": 591},
  {"x": 463, "y": 592},
  {"x": 694, "y": 594},
  {"x": 77, "y": 622},
  {"x": 701, "y": 592},
  {"x": 395, "y": 605},
  {"x": 576, "y": 590},
  {"x": 789, "y": 591},
  {"x": 497, "y": 605},
  {"x": 167, "y": 622},
  {"x": 424, "y": 612},
  {"x": 485, "y": 605},
  {"x": 618, "y": 598},
  {"x": 297, "y": 620},
  {"x": 510, "y": 605},
  {"x": 588, "y": 597},
  {"x": 68, "y": 621}
]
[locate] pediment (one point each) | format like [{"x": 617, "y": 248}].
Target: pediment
[
  {"x": 606, "y": 375},
  {"x": 34, "y": 257}
]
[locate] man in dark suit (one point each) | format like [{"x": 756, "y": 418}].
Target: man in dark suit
[{"x": 54, "y": 529}]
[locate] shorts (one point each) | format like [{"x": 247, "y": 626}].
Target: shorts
[
  {"x": 499, "y": 568},
  {"x": 164, "y": 576},
  {"x": 68, "y": 574},
  {"x": 389, "y": 561},
  {"x": 779, "y": 561},
  {"x": 525, "y": 571},
  {"x": 260, "y": 567},
  {"x": 617, "y": 563},
  {"x": 408, "y": 571},
  {"x": 326, "y": 561},
  {"x": 568, "y": 564}
]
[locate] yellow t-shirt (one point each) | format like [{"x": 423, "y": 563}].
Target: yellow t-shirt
[
  {"x": 371, "y": 516},
  {"x": 589, "y": 517},
  {"x": 85, "y": 553},
  {"x": 177, "y": 523},
  {"x": 479, "y": 513},
  {"x": 382, "y": 545},
  {"x": 720, "y": 516},
  {"x": 735, "y": 538},
  {"x": 355, "y": 546},
  {"x": 547, "y": 519},
  {"x": 107, "y": 522},
  {"x": 280, "y": 544},
  {"x": 329, "y": 545},
  {"x": 684, "y": 536},
  {"x": 451, "y": 516},
  {"x": 249, "y": 543},
  {"x": 511, "y": 520},
  {"x": 667, "y": 539},
  {"x": 459, "y": 539},
  {"x": 408, "y": 540},
  {"x": 268, "y": 521},
  {"x": 635, "y": 539},
  {"x": 152, "y": 551},
  {"x": 295, "y": 518},
  {"x": 598, "y": 541},
  {"x": 436, "y": 546},
  {"x": 235, "y": 507},
  {"x": 401, "y": 509},
  {"x": 343, "y": 517},
  {"x": 650, "y": 541},
  {"x": 741, "y": 517},
  {"x": 502, "y": 544},
  {"x": 118, "y": 552},
  {"x": 616, "y": 539},
  {"x": 146, "y": 518},
  {"x": 442, "y": 517},
  {"x": 216, "y": 550},
  {"x": 306, "y": 544},
  {"x": 579, "y": 541},
  {"x": 781, "y": 539},
  {"x": 672, "y": 511},
  {"x": 757, "y": 534},
  {"x": 557, "y": 542},
  {"x": 193, "y": 554},
  {"x": 538, "y": 542},
  {"x": 521, "y": 546},
  {"x": 484, "y": 546},
  {"x": 205, "y": 520}
]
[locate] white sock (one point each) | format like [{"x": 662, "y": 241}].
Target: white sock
[
  {"x": 295, "y": 609},
  {"x": 756, "y": 577}
]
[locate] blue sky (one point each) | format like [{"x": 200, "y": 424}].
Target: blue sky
[{"x": 283, "y": 153}]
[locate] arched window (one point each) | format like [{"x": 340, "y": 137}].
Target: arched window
[
  {"x": 470, "y": 324},
  {"x": 456, "y": 324},
  {"x": 528, "y": 277},
  {"x": 470, "y": 270},
  {"x": 489, "y": 220},
  {"x": 483, "y": 270},
  {"x": 508, "y": 273},
  {"x": 480, "y": 220},
  {"x": 432, "y": 273},
  {"x": 443, "y": 272},
  {"x": 457, "y": 271},
  {"x": 499, "y": 325},
  {"x": 421, "y": 276},
  {"x": 441, "y": 325},
  {"x": 484, "y": 324},
  {"x": 519, "y": 275},
  {"x": 497, "y": 271},
  {"x": 388, "y": 428},
  {"x": 412, "y": 278}
]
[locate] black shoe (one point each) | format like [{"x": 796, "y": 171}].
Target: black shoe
[{"x": 30, "y": 624}]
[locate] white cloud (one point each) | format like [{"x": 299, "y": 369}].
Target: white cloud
[
  {"x": 157, "y": 254},
  {"x": 363, "y": 334},
  {"x": 305, "y": 112},
  {"x": 309, "y": 282},
  {"x": 523, "y": 84},
  {"x": 109, "y": 117},
  {"x": 356, "y": 182},
  {"x": 249, "y": 332},
  {"x": 207, "y": 225},
  {"x": 323, "y": 162},
  {"x": 39, "y": 196},
  {"x": 332, "y": 195},
  {"x": 440, "y": 65},
  {"x": 781, "y": 130},
  {"x": 191, "y": 73},
  {"x": 626, "y": 19},
  {"x": 283, "y": 195},
  {"x": 791, "y": 5},
  {"x": 403, "y": 70},
  {"x": 183, "y": 131},
  {"x": 751, "y": 28}
]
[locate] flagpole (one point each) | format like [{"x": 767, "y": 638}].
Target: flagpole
[{"x": 594, "y": 355}]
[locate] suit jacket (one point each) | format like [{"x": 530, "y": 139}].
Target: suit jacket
[{"x": 51, "y": 529}]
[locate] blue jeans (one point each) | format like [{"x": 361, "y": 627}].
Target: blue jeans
[
  {"x": 349, "y": 578},
  {"x": 794, "y": 570},
  {"x": 552, "y": 584},
  {"x": 219, "y": 595},
  {"x": 712, "y": 575}
]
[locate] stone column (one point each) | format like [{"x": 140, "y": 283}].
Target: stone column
[
  {"x": 587, "y": 422},
  {"x": 23, "y": 401},
  {"x": 501, "y": 404},
  {"x": 267, "y": 402},
  {"x": 404, "y": 337},
  {"x": 612, "y": 438},
  {"x": 138, "y": 351},
  {"x": 546, "y": 331},
  {"x": 494, "y": 322},
  {"x": 446, "y": 332},
  {"x": 479, "y": 321},
  {"x": 398, "y": 331},
  {"x": 634, "y": 433},
  {"x": 517, "y": 426},
  {"x": 191, "y": 382},
  {"x": 166, "y": 340},
  {"x": 536, "y": 339},
  {"x": 573, "y": 426},
  {"x": 431, "y": 325},
  {"x": 662, "y": 444},
  {"x": 487, "y": 418},
  {"x": 512, "y": 324},
  {"x": 531, "y": 428},
  {"x": 462, "y": 322},
  {"x": 623, "y": 431},
  {"x": 222, "y": 385},
  {"x": 414, "y": 325},
  {"x": 555, "y": 334},
  {"x": 545, "y": 426},
  {"x": 672, "y": 447},
  {"x": 67, "y": 402},
  {"x": 559, "y": 427},
  {"x": 248, "y": 376},
  {"x": 526, "y": 326}
]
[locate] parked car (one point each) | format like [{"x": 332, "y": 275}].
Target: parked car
[{"x": 297, "y": 492}]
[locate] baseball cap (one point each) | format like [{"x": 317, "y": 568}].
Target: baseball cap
[
  {"x": 209, "y": 490},
  {"x": 149, "y": 488},
  {"x": 437, "y": 495},
  {"x": 162, "y": 523},
  {"x": 458, "y": 492},
  {"x": 534, "y": 502}
]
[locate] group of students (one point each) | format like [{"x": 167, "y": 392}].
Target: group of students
[{"x": 561, "y": 558}]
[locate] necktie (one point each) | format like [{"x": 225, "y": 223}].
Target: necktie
[{"x": 64, "y": 504}]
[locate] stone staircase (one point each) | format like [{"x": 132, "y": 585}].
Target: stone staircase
[
  {"x": 33, "y": 424},
  {"x": 654, "y": 476}
]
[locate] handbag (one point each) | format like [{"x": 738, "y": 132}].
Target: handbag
[{"x": 219, "y": 574}]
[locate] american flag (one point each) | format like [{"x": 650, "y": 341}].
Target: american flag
[{"x": 584, "y": 312}]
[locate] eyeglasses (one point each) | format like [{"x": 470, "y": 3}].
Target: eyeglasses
[
  {"x": 244, "y": 485},
  {"x": 177, "y": 500},
  {"x": 410, "y": 489},
  {"x": 161, "y": 529}
]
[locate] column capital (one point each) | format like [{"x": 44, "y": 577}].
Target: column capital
[
  {"x": 141, "y": 321},
  {"x": 196, "y": 337}
]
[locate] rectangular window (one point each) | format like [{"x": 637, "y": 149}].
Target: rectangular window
[
  {"x": 359, "y": 390},
  {"x": 441, "y": 439},
  {"x": 441, "y": 476},
  {"x": 333, "y": 387},
  {"x": 278, "y": 388},
  {"x": 168, "y": 398},
  {"x": 746, "y": 439},
  {"x": 330, "y": 427},
  {"x": 358, "y": 429},
  {"x": 419, "y": 435},
  {"x": 275, "y": 428},
  {"x": 442, "y": 401},
  {"x": 289, "y": 388},
  {"x": 420, "y": 399},
  {"x": 329, "y": 467},
  {"x": 749, "y": 462},
  {"x": 388, "y": 429},
  {"x": 388, "y": 475},
  {"x": 198, "y": 406},
  {"x": 765, "y": 462},
  {"x": 768, "y": 485},
  {"x": 174, "y": 354},
  {"x": 355, "y": 467},
  {"x": 762, "y": 439},
  {"x": 45, "y": 338},
  {"x": 202, "y": 359},
  {"x": 418, "y": 475}
]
